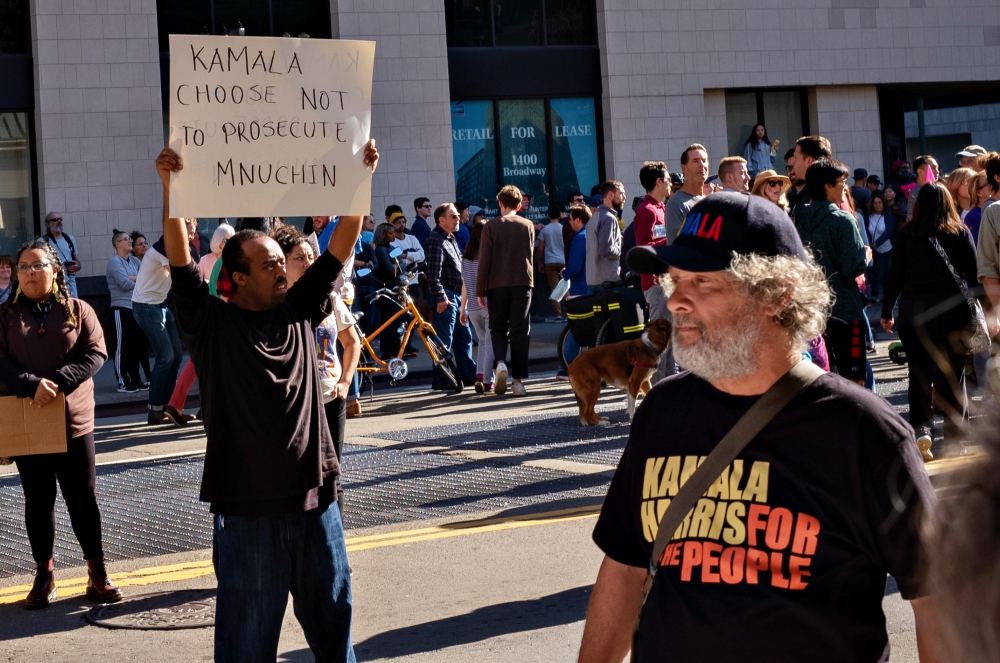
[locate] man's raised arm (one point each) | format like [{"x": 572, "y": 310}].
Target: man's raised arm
[{"x": 175, "y": 237}]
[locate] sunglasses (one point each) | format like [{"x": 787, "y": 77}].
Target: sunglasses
[
  {"x": 55, "y": 218},
  {"x": 788, "y": 169},
  {"x": 773, "y": 183}
]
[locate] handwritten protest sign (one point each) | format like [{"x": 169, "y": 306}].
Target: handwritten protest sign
[{"x": 270, "y": 126}]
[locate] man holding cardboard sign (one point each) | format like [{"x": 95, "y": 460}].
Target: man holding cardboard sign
[{"x": 271, "y": 470}]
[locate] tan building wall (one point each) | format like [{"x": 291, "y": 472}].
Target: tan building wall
[
  {"x": 665, "y": 67},
  {"x": 98, "y": 119},
  {"x": 411, "y": 112}
]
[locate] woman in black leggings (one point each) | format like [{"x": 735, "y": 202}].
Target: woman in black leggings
[
  {"x": 52, "y": 345},
  {"x": 934, "y": 317}
]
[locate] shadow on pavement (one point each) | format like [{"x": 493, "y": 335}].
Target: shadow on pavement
[
  {"x": 61, "y": 615},
  {"x": 514, "y": 617}
]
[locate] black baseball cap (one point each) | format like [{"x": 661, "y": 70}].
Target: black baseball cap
[
  {"x": 718, "y": 226},
  {"x": 860, "y": 173},
  {"x": 874, "y": 179},
  {"x": 676, "y": 179}
]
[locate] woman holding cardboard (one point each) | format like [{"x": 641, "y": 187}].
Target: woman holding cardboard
[{"x": 51, "y": 344}]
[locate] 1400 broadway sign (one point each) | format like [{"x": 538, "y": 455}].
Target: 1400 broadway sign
[{"x": 269, "y": 126}]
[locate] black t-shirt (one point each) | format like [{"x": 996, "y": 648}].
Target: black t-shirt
[
  {"x": 785, "y": 557},
  {"x": 269, "y": 448}
]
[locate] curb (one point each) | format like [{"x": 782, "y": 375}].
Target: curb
[{"x": 420, "y": 378}]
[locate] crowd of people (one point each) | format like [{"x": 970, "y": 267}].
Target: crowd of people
[{"x": 756, "y": 272}]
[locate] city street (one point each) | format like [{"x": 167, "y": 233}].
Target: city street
[{"x": 468, "y": 520}]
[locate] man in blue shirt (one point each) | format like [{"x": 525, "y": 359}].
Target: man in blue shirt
[{"x": 421, "y": 229}]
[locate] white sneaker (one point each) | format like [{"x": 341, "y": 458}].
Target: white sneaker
[
  {"x": 500, "y": 386},
  {"x": 519, "y": 390}
]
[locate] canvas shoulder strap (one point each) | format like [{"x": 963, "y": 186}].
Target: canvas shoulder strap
[{"x": 750, "y": 424}]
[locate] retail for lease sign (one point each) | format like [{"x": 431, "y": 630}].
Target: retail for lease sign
[{"x": 270, "y": 126}]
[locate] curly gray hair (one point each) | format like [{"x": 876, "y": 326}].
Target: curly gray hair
[{"x": 799, "y": 290}]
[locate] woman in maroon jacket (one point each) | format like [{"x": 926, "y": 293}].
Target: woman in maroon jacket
[{"x": 51, "y": 344}]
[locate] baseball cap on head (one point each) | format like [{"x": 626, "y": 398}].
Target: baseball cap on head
[
  {"x": 596, "y": 200},
  {"x": 860, "y": 173},
  {"x": 874, "y": 179},
  {"x": 676, "y": 179},
  {"x": 971, "y": 151},
  {"x": 717, "y": 227}
]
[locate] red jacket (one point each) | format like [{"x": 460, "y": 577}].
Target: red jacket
[{"x": 650, "y": 213}]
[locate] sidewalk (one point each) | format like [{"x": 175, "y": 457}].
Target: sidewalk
[{"x": 544, "y": 336}]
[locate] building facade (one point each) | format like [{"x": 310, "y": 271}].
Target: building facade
[{"x": 551, "y": 95}]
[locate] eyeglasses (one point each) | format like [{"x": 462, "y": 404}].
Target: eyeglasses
[
  {"x": 25, "y": 268},
  {"x": 55, "y": 218},
  {"x": 427, "y": 206},
  {"x": 773, "y": 183}
]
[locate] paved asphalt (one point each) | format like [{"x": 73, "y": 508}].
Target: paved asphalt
[{"x": 432, "y": 580}]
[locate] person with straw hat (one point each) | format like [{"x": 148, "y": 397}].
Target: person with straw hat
[{"x": 772, "y": 186}]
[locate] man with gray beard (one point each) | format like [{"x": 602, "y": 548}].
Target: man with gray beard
[{"x": 785, "y": 556}]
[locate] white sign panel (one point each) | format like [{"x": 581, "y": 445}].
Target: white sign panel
[{"x": 270, "y": 126}]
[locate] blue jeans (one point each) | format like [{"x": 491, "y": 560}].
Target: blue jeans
[
  {"x": 571, "y": 350},
  {"x": 456, "y": 337},
  {"x": 258, "y": 560},
  {"x": 157, "y": 322}
]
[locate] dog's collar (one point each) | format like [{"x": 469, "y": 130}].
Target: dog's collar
[{"x": 649, "y": 344}]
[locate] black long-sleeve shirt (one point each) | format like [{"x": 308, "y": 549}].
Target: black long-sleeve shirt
[
  {"x": 385, "y": 268},
  {"x": 269, "y": 448},
  {"x": 918, "y": 271}
]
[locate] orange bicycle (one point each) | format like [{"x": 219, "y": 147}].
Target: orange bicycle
[{"x": 370, "y": 364}]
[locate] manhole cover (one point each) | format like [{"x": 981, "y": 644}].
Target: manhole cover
[{"x": 188, "y": 608}]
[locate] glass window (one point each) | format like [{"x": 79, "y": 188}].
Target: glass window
[
  {"x": 523, "y": 151},
  {"x": 518, "y": 22},
  {"x": 251, "y": 13},
  {"x": 14, "y": 26},
  {"x": 783, "y": 121},
  {"x": 182, "y": 17},
  {"x": 467, "y": 22},
  {"x": 17, "y": 211},
  {"x": 570, "y": 22},
  {"x": 298, "y": 16},
  {"x": 741, "y": 115},
  {"x": 473, "y": 140},
  {"x": 574, "y": 147},
  {"x": 780, "y": 111}
]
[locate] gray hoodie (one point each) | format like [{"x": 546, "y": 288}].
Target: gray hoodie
[
  {"x": 604, "y": 246},
  {"x": 119, "y": 284}
]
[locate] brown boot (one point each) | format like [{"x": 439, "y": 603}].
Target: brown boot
[
  {"x": 99, "y": 587},
  {"x": 44, "y": 588},
  {"x": 354, "y": 409}
]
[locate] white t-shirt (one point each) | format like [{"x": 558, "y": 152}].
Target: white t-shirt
[
  {"x": 411, "y": 247},
  {"x": 326, "y": 345},
  {"x": 152, "y": 283}
]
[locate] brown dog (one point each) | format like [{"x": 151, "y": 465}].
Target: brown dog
[{"x": 627, "y": 365}]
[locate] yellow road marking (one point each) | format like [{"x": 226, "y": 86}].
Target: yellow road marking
[{"x": 198, "y": 569}]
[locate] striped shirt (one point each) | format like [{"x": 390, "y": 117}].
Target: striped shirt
[{"x": 470, "y": 269}]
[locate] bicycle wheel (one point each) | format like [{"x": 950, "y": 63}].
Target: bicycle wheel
[
  {"x": 606, "y": 334},
  {"x": 446, "y": 363}
]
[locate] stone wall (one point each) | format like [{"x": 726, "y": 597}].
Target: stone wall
[
  {"x": 98, "y": 118},
  {"x": 411, "y": 112}
]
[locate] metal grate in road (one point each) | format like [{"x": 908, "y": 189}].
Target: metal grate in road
[
  {"x": 151, "y": 508},
  {"x": 533, "y": 437}
]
